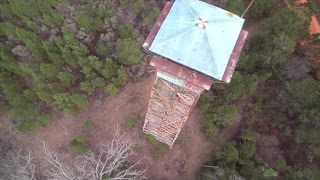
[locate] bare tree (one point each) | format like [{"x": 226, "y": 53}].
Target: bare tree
[
  {"x": 20, "y": 166},
  {"x": 111, "y": 162}
]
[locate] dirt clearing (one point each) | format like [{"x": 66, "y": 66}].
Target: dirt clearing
[{"x": 108, "y": 113}]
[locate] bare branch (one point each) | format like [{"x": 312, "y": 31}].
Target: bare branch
[
  {"x": 110, "y": 162},
  {"x": 20, "y": 166}
]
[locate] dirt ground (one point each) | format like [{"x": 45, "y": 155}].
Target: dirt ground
[{"x": 107, "y": 113}]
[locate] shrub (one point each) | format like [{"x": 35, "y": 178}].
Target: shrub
[
  {"x": 31, "y": 95},
  {"x": 164, "y": 148},
  {"x": 131, "y": 123},
  {"x": 52, "y": 19},
  {"x": 26, "y": 126},
  {"x": 210, "y": 130},
  {"x": 33, "y": 26},
  {"x": 31, "y": 41},
  {"x": 7, "y": 28},
  {"x": 126, "y": 31},
  {"x": 181, "y": 137},
  {"x": 103, "y": 49},
  {"x": 89, "y": 124},
  {"x": 246, "y": 151},
  {"x": 109, "y": 69},
  {"x": 43, "y": 119},
  {"x": 66, "y": 77},
  {"x": 48, "y": 70},
  {"x": 99, "y": 82},
  {"x": 128, "y": 52},
  {"x": 223, "y": 115},
  {"x": 112, "y": 89},
  {"x": 95, "y": 63},
  {"x": 121, "y": 78},
  {"x": 87, "y": 87},
  {"x": 228, "y": 154},
  {"x": 151, "y": 138},
  {"x": 79, "y": 144},
  {"x": 103, "y": 12},
  {"x": 261, "y": 8},
  {"x": 150, "y": 18},
  {"x": 83, "y": 20},
  {"x": 137, "y": 6},
  {"x": 236, "y": 6},
  {"x": 90, "y": 19},
  {"x": 80, "y": 100},
  {"x": 44, "y": 96}
]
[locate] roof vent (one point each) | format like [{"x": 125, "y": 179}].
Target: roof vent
[{"x": 202, "y": 23}]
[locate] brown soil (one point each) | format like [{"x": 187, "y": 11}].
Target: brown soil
[{"x": 182, "y": 162}]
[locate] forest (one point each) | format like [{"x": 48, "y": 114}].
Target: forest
[{"x": 57, "y": 54}]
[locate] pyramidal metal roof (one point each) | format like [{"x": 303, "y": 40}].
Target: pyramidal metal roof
[{"x": 198, "y": 35}]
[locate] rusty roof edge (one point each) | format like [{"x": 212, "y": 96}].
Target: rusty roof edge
[
  {"x": 234, "y": 58},
  {"x": 180, "y": 71},
  {"x": 155, "y": 29}
]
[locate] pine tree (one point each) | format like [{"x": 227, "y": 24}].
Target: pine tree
[{"x": 128, "y": 52}]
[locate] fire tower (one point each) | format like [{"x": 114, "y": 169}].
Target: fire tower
[{"x": 193, "y": 44}]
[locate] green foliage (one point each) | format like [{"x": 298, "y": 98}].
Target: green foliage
[
  {"x": 137, "y": 6},
  {"x": 124, "y": 3},
  {"x": 269, "y": 172},
  {"x": 236, "y": 7},
  {"x": 43, "y": 119},
  {"x": 103, "y": 49},
  {"x": 50, "y": 77},
  {"x": 66, "y": 78},
  {"x": 67, "y": 103},
  {"x": 302, "y": 96},
  {"x": 151, "y": 138},
  {"x": 112, "y": 89},
  {"x": 80, "y": 100},
  {"x": 103, "y": 12},
  {"x": 126, "y": 31},
  {"x": 31, "y": 41},
  {"x": 31, "y": 95},
  {"x": 164, "y": 148},
  {"x": 294, "y": 18},
  {"x": 246, "y": 150},
  {"x": 210, "y": 130},
  {"x": 80, "y": 144},
  {"x": 53, "y": 19},
  {"x": 87, "y": 87},
  {"x": 150, "y": 17},
  {"x": 261, "y": 8},
  {"x": 131, "y": 123},
  {"x": 121, "y": 78},
  {"x": 223, "y": 115},
  {"x": 7, "y": 28},
  {"x": 44, "y": 96},
  {"x": 311, "y": 173},
  {"x": 109, "y": 69},
  {"x": 89, "y": 124},
  {"x": 34, "y": 27},
  {"x": 99, "y": 82},
  {"x": 48, "y": 71},
  {"x": 91, "y": 19},
  {"x": 228, "y": 154},
  {"x": 135, "y": 78},
  {"x": 128, "y": 51},
  {"x": 249, "y": 135},
  {"x": 181, "y": 138},
  {"x": 240, "y": 86},
  {"x": 274, "y": 43}
]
